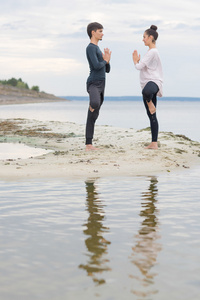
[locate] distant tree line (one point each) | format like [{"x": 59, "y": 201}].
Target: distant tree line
[{"x": 20, "y": 84}]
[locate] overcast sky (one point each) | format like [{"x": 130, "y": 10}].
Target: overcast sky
[{"x": 44, "y": 41}]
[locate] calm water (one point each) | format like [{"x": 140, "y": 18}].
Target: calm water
[
  {"x": 179, "y": 117},
  {"x": 104, "y": 238},
  {"x": 127, "y": 238}
]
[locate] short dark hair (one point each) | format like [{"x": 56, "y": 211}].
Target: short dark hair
[
  {"x": 152, "y": 31},
  {"x": 93, "y": 26}
]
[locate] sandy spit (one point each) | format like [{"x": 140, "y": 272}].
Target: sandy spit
[{"x": 121, "y": 151}]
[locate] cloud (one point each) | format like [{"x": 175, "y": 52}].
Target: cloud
[
  {"x": 41, "y": 36},
  {"x": 61, "y": 66}
]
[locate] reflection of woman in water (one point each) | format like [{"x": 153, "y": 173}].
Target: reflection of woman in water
[
  {"x": 95, "y": 243},
  {"x": 146, "y": 249}
]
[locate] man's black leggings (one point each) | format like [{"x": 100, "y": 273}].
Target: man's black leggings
[
  {"x": 149, "y": 92},
  {"x": 96, "y": 93}
]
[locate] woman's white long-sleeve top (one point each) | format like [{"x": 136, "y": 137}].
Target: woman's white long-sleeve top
[{"x": 151, "y": 69}]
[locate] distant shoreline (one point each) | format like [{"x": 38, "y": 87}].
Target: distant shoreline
[
  {"x": 25, "y": 100},
  {"x": 132, "y": 98},
  {"x": 15, "y": 95}
]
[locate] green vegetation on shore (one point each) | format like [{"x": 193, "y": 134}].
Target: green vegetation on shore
[{"x": 19, "y": 83}]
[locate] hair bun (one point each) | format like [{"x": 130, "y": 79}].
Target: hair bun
[{"x": 154, "y": 27}]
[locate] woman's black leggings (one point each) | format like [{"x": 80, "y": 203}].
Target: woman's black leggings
[{"x": 149, "y": 92}]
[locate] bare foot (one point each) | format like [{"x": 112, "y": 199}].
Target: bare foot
[
  {"x": 90, "y": 147},
  {"x": 153, "y": 145},
  {"x": 152, "y": 107}
]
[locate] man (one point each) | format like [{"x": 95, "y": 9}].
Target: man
[{"x": 99, "y": 65}]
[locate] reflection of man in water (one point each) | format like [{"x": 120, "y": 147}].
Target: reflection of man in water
[
  {"x": 95, "y": 242},
  {"x": 146, "y": 249}
]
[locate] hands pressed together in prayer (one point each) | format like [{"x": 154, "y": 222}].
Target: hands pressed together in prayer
[
  {"x": 107, "y": 55},
  {"x": 136, "y": 57}
]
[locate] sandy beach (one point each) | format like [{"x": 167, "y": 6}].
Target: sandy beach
[{"x": 121, "y": 151}]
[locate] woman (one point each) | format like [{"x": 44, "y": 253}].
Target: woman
[{"x": 151, "y": 79}]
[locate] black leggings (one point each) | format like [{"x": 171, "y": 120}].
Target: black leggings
[
  {"x": 149, "y": 92},
  {"x": 96, "y": 93}
]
